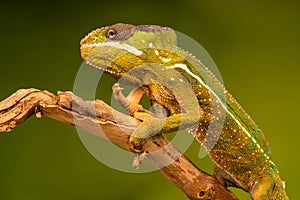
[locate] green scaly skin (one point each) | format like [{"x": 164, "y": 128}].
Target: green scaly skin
[{"x": 147, "y": 56}]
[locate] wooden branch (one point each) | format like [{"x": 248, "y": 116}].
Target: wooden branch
[{"x": 70, "y": 109}]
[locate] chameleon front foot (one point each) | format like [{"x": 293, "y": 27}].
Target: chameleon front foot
[
  {"x": 149, "y": 127},
  {"x": 139, "y": 158},
  {"x": 146, "y": 128},
  {"x": 131, "y": 103},
  {"x": 136, "y": 144}
]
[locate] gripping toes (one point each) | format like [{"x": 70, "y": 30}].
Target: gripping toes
[
  {"x": 131, "y": 103},
  {"x": 136, "y": 144},
  {"x": 149, "y": 127}
]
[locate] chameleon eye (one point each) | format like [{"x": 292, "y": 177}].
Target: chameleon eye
[{"x": 110, "y": 33}]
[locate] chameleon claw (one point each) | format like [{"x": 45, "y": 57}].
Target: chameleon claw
[
  {"x": 38, "y": 115},
  {"x": 136, "y": 144},
  {"x": 138, "y": 159},
  {"x": 126, "y": 102},
  {"x": 116, "y": 88},
  {"x": 149, "y": 127}
]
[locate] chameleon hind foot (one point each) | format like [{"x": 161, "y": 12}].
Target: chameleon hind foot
[{"x": 268, "y": 186}]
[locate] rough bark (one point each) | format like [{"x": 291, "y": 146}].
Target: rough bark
[{"x": 70, "y": 109}]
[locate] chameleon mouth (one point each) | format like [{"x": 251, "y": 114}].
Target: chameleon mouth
[
  {"x": 86, "y": 49},
  {"x": 118, "y": 45},
  {"x": 91, "y": 35}
]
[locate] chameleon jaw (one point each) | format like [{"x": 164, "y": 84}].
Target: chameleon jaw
[
  {"x": 86, "y": 49},
  {"x": 92, "y": 35},
  {"x": 105, "y": 69},
  {"x": 117, "y": 44}
]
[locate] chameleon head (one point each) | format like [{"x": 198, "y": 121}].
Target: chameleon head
[
  {"x": 100, "y": 36},
  {"x": 114, "y": 49}
]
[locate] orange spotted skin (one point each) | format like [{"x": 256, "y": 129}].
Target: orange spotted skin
[{"x": 234, "y": 142}]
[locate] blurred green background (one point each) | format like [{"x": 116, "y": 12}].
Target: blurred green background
[{"x": 255, "y": 45}]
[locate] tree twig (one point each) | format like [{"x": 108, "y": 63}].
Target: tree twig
[{"x": 70, "y": 109}]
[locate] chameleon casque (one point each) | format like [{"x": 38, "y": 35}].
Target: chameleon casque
[{"x": 148, "y": 56}]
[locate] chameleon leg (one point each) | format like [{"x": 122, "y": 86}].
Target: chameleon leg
[
  {"x": 159, "y": 110},
  {"x": 262, "y": 187},
  {"x": 151, "y": 125},
  {"x": 224, "y": 177},
  {"x": 131, "y": 102}
]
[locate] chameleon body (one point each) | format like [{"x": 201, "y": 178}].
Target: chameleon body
[{"x": 241, "y": 154}]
